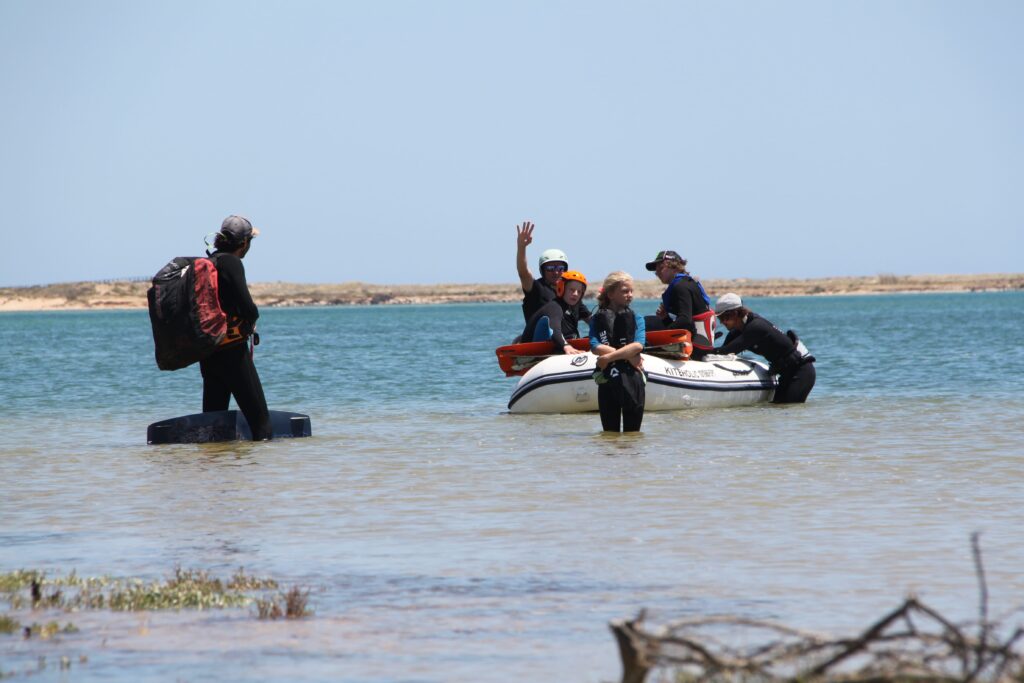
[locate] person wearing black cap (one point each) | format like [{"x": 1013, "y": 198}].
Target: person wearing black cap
[
  {"x": 787, "y": 355},
  {"x": 231, "y": 371},
  {"x": 684, "y": 304}
]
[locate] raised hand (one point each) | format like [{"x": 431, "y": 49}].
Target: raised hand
[{"x": 524, "y": 234}]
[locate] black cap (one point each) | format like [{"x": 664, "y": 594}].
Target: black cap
[
  {"x": 667, "y": 254},
  {"x": 238, "y": 228}
]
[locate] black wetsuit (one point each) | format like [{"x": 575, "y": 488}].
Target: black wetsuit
[
  {"x": 231, "y": 371},
  {"x": 796, "y": 372},
  {"x": 683, "y": 299},
  {"x": 563, "y": 319},
  {"x": 542, "y": 293},
  {"x": 621, "y": 388}
]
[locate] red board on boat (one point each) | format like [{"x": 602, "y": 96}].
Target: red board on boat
[{"x": 516, "y": 359}]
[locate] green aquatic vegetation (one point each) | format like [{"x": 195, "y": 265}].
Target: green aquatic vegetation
[
  {"x": 188, "y": 579},
  {"x": 33, "y": 588},
  {"x": 184, "y": 589},
  {"x": 73, "y": 580},
  {"x": 240, "y": 581},
  {"x": 8, "y": 625},
  {"x": 42, "y": 599},
  {"x": 18, "y": 580},
  {"x": 184, "y": 595}
]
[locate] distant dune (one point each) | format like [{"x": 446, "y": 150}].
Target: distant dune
[{"x": 132, "y": 295}]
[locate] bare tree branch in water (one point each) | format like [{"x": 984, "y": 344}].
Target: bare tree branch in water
[{"x": 911, "y": 643}]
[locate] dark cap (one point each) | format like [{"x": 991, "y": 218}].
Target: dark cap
[
  {"x": 238, "y": 228},
  {"x": 668, "y": 255}
]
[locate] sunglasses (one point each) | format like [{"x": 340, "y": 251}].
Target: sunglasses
[{"x": 554, "y": 269}]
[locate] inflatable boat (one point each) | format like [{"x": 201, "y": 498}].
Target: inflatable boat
[
  {"x": 553, "y": 382},
  {"x": 565, "y": 384}
]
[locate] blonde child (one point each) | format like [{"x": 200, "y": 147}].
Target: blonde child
[{"x": 617, "y": 336}]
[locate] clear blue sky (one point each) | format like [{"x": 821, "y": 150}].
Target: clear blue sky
[{"x": 400, "y": 142}]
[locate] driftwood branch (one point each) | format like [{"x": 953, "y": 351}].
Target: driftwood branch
[
  {"x": 910, "y": 643},
  {"x": 637, "y": 652}
]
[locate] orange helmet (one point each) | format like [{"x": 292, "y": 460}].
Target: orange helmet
[{"x": 573, "y": 275}]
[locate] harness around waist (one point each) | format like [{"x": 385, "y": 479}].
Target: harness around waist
[{"x": 790, "y": 362}]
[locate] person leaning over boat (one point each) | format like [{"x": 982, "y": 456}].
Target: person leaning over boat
[
  {"x": 684, "y": 304},
  {"x": 617, "y": 336},
  {"x": 558, "y": 319},
  {"x": 552, "y": 263},
  {"x": 231, "y": 371},
  {"x": 788, "y": 357}
]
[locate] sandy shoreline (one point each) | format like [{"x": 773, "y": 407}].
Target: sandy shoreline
[{"x": 126, "y": 295}]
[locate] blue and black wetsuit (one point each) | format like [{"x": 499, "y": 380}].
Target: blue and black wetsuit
[
  {"x": 621, "y": 389},
  {"x": 795, "y": 370},
  {"x": 231, "y": 371},
  {"x": 683, "y": 299}
]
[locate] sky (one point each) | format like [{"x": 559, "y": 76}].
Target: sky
[{"x": 398, "y": 142}]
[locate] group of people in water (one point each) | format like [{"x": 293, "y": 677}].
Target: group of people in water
[{"x": 553, "y": 308}]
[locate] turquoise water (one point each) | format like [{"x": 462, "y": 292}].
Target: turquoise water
[{"x": 446, "y": 540}]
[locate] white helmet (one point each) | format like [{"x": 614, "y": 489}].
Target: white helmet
[{"x": 553, "y": 255}]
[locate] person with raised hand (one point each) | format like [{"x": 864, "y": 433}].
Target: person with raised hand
[{"x": 552, "y": 263}]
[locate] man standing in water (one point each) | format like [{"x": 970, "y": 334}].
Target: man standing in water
[{"x": 231, "y": 371}]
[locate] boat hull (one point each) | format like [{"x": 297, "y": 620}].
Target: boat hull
[{"x": 565, "y": 384}]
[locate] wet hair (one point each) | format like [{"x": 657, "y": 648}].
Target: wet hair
[{"x": 611, "y": 283}]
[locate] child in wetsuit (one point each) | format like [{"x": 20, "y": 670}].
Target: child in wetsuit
[{"x": 617, "y": 336}]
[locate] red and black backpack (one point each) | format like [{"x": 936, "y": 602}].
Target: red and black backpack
[{"x": 184, "y": 308}]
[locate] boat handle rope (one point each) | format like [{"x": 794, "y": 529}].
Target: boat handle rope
[{"x": 736, "y": 372}]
